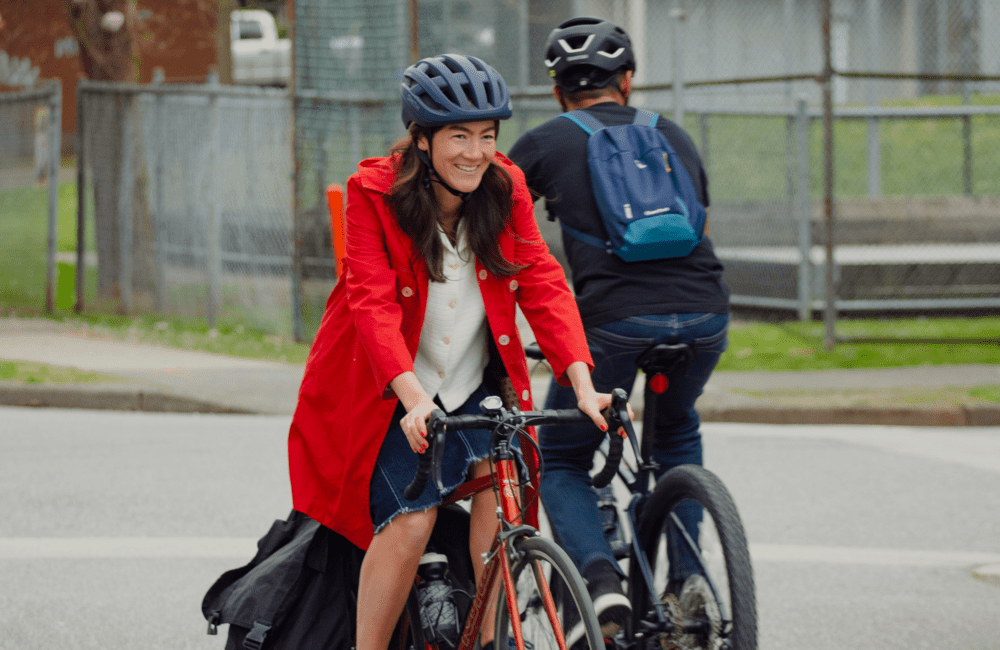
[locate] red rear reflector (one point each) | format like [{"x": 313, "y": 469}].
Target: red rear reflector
[{"x": 658, "y": 383}]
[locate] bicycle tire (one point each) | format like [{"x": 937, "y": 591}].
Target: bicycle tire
[
  {"x": 721, "y": 538},
  {"x": 572, "y": 601}
]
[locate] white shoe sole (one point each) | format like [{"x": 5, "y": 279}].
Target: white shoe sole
[{"x": 602, "y": 605}]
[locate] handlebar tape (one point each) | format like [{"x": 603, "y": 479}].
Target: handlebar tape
[
  {"x": 616, "y": 415},
  {"x": 615, "y": 449},
  {"x": 426, "y": 462}
]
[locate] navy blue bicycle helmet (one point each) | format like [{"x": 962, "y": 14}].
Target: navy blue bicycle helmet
[
  {"x": 586, "y": 52},
  {"x": 453, "y": 88}
]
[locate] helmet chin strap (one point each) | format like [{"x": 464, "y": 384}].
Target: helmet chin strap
[{"x": 426, "y": 160}]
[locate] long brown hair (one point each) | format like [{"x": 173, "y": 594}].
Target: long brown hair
[{"x": 486, "y": 212}]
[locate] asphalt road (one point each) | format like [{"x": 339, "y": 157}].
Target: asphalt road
[{"x": 114, "y": 524}]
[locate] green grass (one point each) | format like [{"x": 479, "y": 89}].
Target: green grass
[
  {"x": 189, "y": 334},
  {"x": 799, "y": 346},
  {"x": 23, "y": 246},
  {"x": 988, "y": 393},
  {"x": 919, "y": 157},
  {"x": 878, "y": 397},
  {"x": 38, "y": 373}
]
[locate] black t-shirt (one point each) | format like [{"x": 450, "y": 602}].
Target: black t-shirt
[{"x": 554, "y": 159}]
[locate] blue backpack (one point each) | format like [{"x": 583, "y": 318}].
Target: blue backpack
[{"x": 648, "y": 204}]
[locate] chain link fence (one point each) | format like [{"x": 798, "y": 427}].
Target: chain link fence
[
  {"x": 915, "y": 129},
  {"x": 30, "y": 150},
  {"x": 208, "y": 203},
  {"x": 191, "y": 201}
]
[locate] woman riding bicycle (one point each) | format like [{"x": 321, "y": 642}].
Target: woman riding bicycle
[{"x": 442, "y": 244}]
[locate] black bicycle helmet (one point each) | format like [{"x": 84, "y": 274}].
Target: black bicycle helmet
[
  {"x": 586, "y": 52},
  {"x": 453, "y": 88}
]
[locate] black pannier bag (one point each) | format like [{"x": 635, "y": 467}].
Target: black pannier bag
[
  {"x": 301, "y": 588},
  {"x": 299, "y": 591}
]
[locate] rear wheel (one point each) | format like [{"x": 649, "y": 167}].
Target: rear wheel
[
  {"x": 697, "y": 550},
  {"x": 542, "y": 568}
]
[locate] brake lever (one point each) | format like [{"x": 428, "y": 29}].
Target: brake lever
[
  {"x": 437, "y": 451},
  {"x": 619, "y": 413}
]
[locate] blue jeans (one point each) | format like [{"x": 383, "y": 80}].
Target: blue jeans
[{"x": 570, "y": 501}]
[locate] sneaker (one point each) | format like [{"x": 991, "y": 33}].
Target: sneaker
[{"x": 610, "y": 603}]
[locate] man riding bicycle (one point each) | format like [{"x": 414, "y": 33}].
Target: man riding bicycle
[{"x": 626, "y": 305}]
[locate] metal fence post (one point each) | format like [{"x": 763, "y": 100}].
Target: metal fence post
[
  {"x": 213, "y": 252},
  {"x": 159, "y": 239},
  {"x": 125, "y": 188},
  {"x": 678, "y": 15},
  {"x": 874, "y": 37},
  {"x": 829, "y": 293},
  {"x": 874, "y": 158},
  {"x": 55, "y": 151},
  {"x": 966, "y": 143},
  {"x": 703, "y": 137},
  {"x": 81, "y": 202},
  {"x": 802, "y": 209}
]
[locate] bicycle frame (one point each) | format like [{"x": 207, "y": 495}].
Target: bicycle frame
[{"x": 502, "y": 479}]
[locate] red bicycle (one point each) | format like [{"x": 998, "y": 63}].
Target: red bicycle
[{"x": 543, "y": 601}]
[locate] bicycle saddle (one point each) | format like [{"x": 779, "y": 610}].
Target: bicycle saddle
[
  {"x": 532, "y": 351},
  {"x": 665, "y": 358}
]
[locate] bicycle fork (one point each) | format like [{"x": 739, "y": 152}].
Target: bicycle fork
[{"x": 499, "y": 565}]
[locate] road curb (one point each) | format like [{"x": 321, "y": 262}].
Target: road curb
[
  {"x": 137, "y": 398},
  {"x": 957, "y": 416},
  {"x": 113, "y": 398}
]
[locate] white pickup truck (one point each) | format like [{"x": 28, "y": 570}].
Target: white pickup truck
[{"x": 259, "y": 57}]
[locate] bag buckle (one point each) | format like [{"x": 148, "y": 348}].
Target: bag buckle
[
  {"x": 255, "y": 638},
  {"x": 213, "y": 623}
]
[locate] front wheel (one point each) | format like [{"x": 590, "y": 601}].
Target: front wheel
[
  {"x": 702, "y": 577},
  {"x": 550, "y": 594}
]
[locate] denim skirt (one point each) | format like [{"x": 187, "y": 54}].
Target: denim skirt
[{"x": 397, "y": 464}]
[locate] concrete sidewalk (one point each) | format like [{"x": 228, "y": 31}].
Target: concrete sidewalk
[{"x": 150, "y": 378}]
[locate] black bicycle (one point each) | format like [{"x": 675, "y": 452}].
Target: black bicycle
[{"x": 690, "y": 578}]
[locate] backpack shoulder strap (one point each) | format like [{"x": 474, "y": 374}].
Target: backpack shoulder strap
[
  {"x": 584, "y": 120},
  {"x": 645, "y": 118},
  {"x": 585, "y": 238}
]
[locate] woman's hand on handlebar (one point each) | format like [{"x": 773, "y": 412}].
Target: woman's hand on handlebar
[
  {"x": 588, "y": 399},
  {"x": 596, "y": 403},
  {"x": 414, "y": 425},
  {"x": 418, "y": 409}
]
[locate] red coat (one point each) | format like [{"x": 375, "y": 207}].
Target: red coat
[{"x": 370, "y": 333}]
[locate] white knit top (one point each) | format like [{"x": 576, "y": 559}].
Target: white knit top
[{"x": 452, "y": 354}]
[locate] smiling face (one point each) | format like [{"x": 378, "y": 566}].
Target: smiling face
[{"x": 461, "y": 154}]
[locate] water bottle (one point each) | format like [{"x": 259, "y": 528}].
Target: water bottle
[
  {"x": 438, "y": 613},
  {"x": 609, "y": 519}
]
